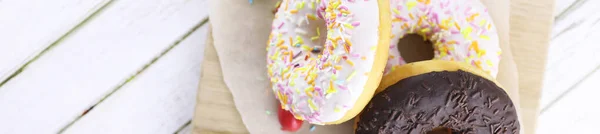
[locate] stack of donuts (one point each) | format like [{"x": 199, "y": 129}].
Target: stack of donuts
[{"x": 330, "y": 61}]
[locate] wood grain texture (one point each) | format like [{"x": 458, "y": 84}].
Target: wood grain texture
[
  {"x": 92, "y": 61},
  {"x": 159, "y": 100},
  {"x": 575, "y": 16},
  {"x": 530, "y": 25},
  {"x": 572, "y": 71},
  {"x": 215, "y": 110},
  {"x": 576, "y": 113},
  {"x": 27, "y": 27},
  {"x": 573, "y": 52}
]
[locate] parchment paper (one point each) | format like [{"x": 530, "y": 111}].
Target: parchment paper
[{"x": 240, "y": 31}]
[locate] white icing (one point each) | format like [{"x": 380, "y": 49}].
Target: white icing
[
  {"x": 455, "y": 11},
  {"x": 333, "y": 106}
]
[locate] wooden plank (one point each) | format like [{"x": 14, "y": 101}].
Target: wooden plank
[
  {"x": 92, "y": 62},
  {"x": 563, "y": 5},
  {"x": 573, "y": 53},
  {"x": 218, "y": 115},
  {"x": 576, "y": 113},
  {"x": 530, "y": 26},
  {"x": 27, "y": 27},
  {"x": 187, "y": 129},
  {"x": 169, "y": 89},
  {"x": 575, "y": 16}
]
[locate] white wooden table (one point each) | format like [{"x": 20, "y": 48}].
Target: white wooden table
[
  {"x": 572, "y": 82},
  {"x": 132, "y": 66},
  {"x": 100, "y": 66}
]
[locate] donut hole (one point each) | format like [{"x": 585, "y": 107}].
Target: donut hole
[
  {"x": 317, "y": 44},
  {"x": 415, "y": 48},
  {"x": 442, "y": 130}
]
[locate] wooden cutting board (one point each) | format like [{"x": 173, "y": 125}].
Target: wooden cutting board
[
  {"x": 530, "y": 25},
  {"x": 215, "y": 110}
]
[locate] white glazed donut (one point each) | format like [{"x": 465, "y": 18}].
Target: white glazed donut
[
  {"x": 330, "y": 83},
  {"x": 460, "y": 30}
]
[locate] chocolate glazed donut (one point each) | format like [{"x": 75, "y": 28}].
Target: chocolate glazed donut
[{"x": 456, "y": 101}]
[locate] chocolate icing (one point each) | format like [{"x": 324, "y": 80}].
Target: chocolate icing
[{"x": 461, "y": 101}]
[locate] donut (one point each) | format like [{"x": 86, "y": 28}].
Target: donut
[
  {"x": 435, "y": 95},
  {"x": 325, "y": 58},
  {"x": 460, "y": 30}
]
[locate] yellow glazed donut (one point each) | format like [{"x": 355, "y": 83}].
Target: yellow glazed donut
[
  {"x": 460, "y": 30},
  {"x": 325, "y": 58}
]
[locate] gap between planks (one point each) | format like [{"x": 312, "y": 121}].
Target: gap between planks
[
  {"x": 572, "y": 44},
  {"x": 565, "y": 93},
  {"x": 32, "y": 82},
  {"x": 53, "y": 44},
  {"x": 169, "y": 84},
  {"x": 575, "y": 111},
  {"x": 566, "y": 7},
  {"x": 185, "y": 128},
  {"x": 140, "y": 71}
]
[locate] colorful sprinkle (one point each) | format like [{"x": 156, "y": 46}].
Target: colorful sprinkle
[
  {"x": 350, "y": 62},
  {"x": 312, "y": 128},
  {"x": 300, "y": 5},
  {"x": 466, "y": 32},
  {"x": 485, "y": 37},
  {"x": 331, "y": 88},
  {"x": 280, "y": 25},
  {"x": 472, "y": 17},
  {"x": 314, "y": 38},
  {"x": 411, "y": 4},
  {"x": 356, "y": 23},
  {"x": 311, "y": 16},
  {"x": 306, "y": 48},
  {"x": 348, "y": 26},
  {"x": 350, "y": 76},
  {"x": 318, "y": 32},
  {"x": 312, "y": 105},
  {"x": 299, "y": 40},
  {"x": 277, "y": 4},
  {"x": 338, "y": 67},
  {"x": 337, "y": 109},
  {"x": 396, "y": 11}
]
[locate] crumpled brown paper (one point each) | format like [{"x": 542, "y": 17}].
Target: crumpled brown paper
[{"x": 240, "y": 31}]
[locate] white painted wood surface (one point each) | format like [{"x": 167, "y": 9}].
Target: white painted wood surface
[
  {"x": 562, "y": 5},
  {"x": 29, "y": 26},
  {"x": 571, "y": 83},
  {"x": 574, "y": 50},
  {"x": 187, "y": 129},
  {"x": 93, "y": 60},
  {"x": 576, "y": 113},
  {"x": 159, "y": 100}
]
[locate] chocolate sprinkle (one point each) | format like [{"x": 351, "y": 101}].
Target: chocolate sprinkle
[
  {"x": 296, "y": 55},
  {"x": 386, "y": 97},
  {"x": 418, "y": 104}
]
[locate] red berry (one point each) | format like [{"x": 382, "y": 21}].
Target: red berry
[{"x": 287, "y": 121}]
